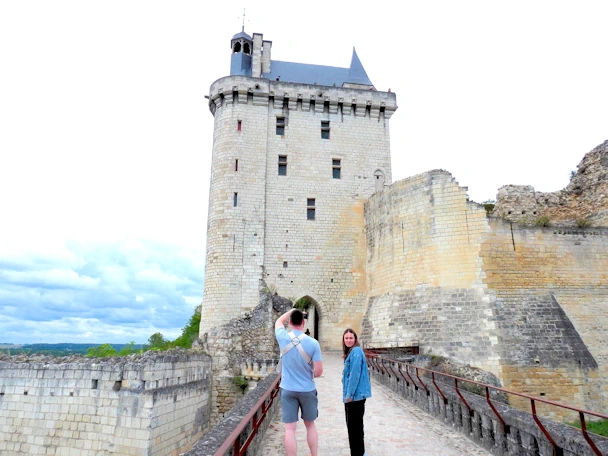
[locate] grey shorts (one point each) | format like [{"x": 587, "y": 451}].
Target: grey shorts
[{"x": 292, "y": 401}]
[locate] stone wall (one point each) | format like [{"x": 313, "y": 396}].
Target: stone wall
[
  {"x": 155, "y": 404},
  {"x": 245, "y": 347},
  {"x": 550, "y": 290},
  {"x": 525, "y": 303},
  {"x": 425, "y": 273},
  {"x": 584, "y": 198}
]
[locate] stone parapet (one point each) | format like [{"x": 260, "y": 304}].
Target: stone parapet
[{"x": 260, "y": 91}]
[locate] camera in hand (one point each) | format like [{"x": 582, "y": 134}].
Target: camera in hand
[{"x": 305, "y": 315}]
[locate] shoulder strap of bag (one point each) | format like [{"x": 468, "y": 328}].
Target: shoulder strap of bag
[{"x": 296, "y": 342}]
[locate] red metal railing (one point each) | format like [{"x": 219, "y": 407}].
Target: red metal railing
[
  {"x": 377, "y": 361},
  {"x": 262, "y": 406}
]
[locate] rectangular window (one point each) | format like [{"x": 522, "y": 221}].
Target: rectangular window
[
  {"x": 325, "y": 129},
  {"x": 236, "y": 164},
  {"x": 310, "y": 208},
  {"x": 280, "y": 126},
  {"x": 238, "y": 125},
  {"x": 336, "y": 167},
  {"x": 282, "y": 165},
  {"x": 236, "y": 199}
]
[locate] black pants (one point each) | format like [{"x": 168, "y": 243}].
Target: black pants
[{"x": 354, "y": 423}]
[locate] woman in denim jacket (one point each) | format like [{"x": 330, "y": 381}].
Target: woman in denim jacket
[{"x": 356, "y": 387}]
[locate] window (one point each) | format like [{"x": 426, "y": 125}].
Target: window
[
  {"x": 236, "y": 199},
  {"x": 310, "y": 208},
  {"x": 336, "y": 165},
  {"x": 280, "y": 126},
  {"x": 284, "y": 264},
  {"x": 236, "y": 164},
  {"x": 325, "y": 129},
  {"x": 238, "y": 125},
  {"x": 282, "y": 165}
]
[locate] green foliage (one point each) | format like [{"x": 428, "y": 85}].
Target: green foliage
[
  {"x": 597, "y": 427},
  {"x": 190, "y": 331},
  {"x": 303, "y": 303},
  {"x": 583, "y": 223},
  {"x": 101, "y": 351},
  {"x": 271, "y": 289},
  {"x": 543, "y": 221},
  {"x": 128, "y": 349},
  {"x": 489, "y": 205},
  {"x": 240, "y": 382},
  {"x": 157, "y": 342}
]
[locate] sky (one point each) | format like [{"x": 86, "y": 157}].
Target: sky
[{"x": 106, "y": 137}]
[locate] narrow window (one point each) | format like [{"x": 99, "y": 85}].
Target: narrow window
[
  {"x": 281, "y": 126},
  {"x": 336, "y": 165},
  {"x": 238, "y": 125},
  {"x": 310, "y": 208},
  {"x": 236, "y": 199},
  {"x": 325, "y": 129},
  {"x": 284, "y": 264},
  {"x": 236, "y": 164},
  {"x": 282, "y": 165}
]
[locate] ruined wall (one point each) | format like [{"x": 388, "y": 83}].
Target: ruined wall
[
  {"x": 551, "y": 309},
  {"x": 425, "y": 273},
  {"x": 155, "y": 404},
  {"x": 585, "y": 198},
  {"x": 525, "y": 303},
  {"x": 244, "y": 347}
]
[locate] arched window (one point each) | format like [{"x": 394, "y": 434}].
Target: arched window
[
  {"x": 246, "y": 49},
  {"x": 237, "y": 47}
]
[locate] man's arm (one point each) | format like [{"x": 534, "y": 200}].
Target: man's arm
[
  {"x": 283, "y": 319},
  {"x": 318, "y": 368}
]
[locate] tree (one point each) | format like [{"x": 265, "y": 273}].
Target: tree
[
  {"x": 157, "y": 342},
  {"x": 190, "y": 331},
  {"x": 101, "y": 351},
  {"x": 128, "y": 349}
]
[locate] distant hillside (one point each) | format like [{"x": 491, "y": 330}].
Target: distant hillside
[{"x": 54, "y": 349}]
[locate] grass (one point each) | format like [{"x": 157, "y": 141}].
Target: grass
[{"x": 597, "y": 427}]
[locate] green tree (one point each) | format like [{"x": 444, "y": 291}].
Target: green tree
[
  {"x": 157, "y": 342},
  {"x": 190, "y": 331},
  {"x": 128, "y": 349},
  {"x": 101, "y": 351}
]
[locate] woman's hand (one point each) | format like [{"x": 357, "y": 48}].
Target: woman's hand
[{"x": 349, "y": 400}]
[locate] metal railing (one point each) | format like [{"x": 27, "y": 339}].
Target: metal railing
[
  {"x": 252, "y": 418},
  {"x": 377, "y": 361}
]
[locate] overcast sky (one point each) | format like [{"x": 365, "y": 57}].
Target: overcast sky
[{"x": 105, "y": 134}]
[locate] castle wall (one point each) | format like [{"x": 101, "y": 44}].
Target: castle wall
[
  {"x": 525, "y": 303},
  {"x": 424, "y": 271},
  {"x": 551, "y": 296},
  {"x": 158, "y": 404},
  {"x": 322, "y": 258}
]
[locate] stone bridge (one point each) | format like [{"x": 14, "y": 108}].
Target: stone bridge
[{"x": 396, "y": 426}]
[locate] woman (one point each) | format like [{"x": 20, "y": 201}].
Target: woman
[{"x": 356, "y": 387}]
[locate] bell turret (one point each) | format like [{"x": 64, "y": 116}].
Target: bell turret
[{"x": 240, "y": 61}]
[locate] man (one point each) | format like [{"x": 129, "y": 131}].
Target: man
[{"x": 298, "y": 391}]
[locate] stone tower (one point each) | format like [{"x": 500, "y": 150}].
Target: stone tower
[{"x": 297, "y": 150}]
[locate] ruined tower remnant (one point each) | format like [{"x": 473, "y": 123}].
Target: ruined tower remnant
[{"x": 297, "y": 150}]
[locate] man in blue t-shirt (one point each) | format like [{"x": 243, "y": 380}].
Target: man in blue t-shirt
[{"x": 301, "y": 363}]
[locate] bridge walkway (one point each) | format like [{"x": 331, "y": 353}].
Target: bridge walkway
[{"x": 392, "y": 425}]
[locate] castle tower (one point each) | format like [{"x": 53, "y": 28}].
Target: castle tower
[{"x": 297, "y": 150}]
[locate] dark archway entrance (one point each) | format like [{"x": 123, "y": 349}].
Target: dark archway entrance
[{"x": 309, "y": 305}]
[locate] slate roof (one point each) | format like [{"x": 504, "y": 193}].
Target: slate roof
[
  {"x": 240, "y": 35},
  {"x": 305, "y": 73}
]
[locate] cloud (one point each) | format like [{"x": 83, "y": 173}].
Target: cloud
[{"x": 97, "y": 292}]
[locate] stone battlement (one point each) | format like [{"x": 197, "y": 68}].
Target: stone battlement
[{"x": 262, "y": 92}]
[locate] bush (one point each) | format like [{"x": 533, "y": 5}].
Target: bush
[
  {"x": 597, "y": 427},
  {"x": 241, "y": 382},
  {"x": 583, "y": 223},
  {"x": 303, "y": 304},
  {"x": 543, "y": 221},
  {"x": 489, "y": 205}
]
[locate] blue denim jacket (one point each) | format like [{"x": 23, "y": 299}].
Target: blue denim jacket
[{"x": 355, "y": 377}]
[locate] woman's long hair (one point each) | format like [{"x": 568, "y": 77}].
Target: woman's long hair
[{"x": 346, "y": 350}]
